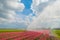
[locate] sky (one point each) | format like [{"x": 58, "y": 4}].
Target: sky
[
  {"x": 29, "y": 14},
  {"x": 48, "y": 17},
  {"x": 15, "y": 13}
]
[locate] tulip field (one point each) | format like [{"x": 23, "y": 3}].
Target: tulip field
[{"x": 26, "y": 35}]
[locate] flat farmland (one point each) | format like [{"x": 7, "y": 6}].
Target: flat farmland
[
  {"x": 11, "y": 30},
  {"x": 25, "y": 35},
  {"x": 56, "y": 32}
]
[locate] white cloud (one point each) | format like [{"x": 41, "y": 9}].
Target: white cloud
[
  {"x": 44, "y": 0},
  {"x": 39, "y": 5},
  {"x": 49, "y": 18},
  {"x": 8, "y": 8},
  {"x": 13, "y": 25},
  {"x": 8, "y": 16},
  {"x": 35, "y": 4}
]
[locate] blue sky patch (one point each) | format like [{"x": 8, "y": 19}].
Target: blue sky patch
[{"x": 27, "y": 9}]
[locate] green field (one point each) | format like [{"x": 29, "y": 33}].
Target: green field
[
  {"x": 56, "y": 33},
  {"x": 11, "y": 30}
]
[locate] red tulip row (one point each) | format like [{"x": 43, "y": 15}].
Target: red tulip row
[{"x": 29, "y": 35}]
